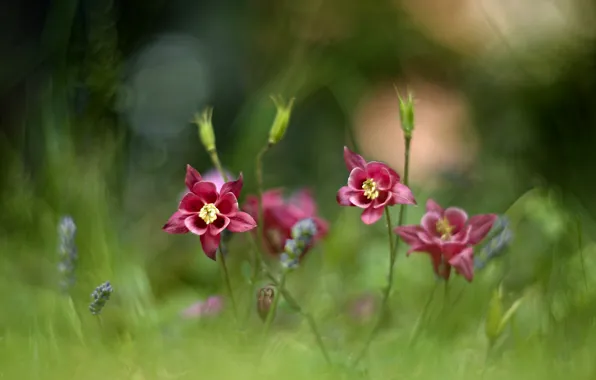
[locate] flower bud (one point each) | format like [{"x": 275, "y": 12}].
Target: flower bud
[
  {"x": 406, "y": 113},
  {"x": 203, "y": 121},
  {"x": 265, "y": 299},
  {"x": 496, "y": 320},
  {"x": 281, "y": 121}
]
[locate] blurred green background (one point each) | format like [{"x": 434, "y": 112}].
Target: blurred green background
[{"x": 95, "y": 102}]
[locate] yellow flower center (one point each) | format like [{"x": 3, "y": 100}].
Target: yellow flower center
[
  {"x": 370, "y": 189},
  {"x": 444, "y": 228},
  {"x": 208, "y": 213}
]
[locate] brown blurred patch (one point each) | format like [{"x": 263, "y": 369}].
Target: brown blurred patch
[{"x": 442, "y": 140}]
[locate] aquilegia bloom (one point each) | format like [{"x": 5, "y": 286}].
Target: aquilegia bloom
[
  {"x": 372, "y": 186},
  {"x": 449, "y": 237},
  {"x": 212, "y": 306},
  {"x": 281, "y": 215},
  {"x": 207, "y": 212}
]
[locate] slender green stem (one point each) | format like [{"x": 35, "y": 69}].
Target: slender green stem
[
  {"x": 393, "y": 250},
  {"x": 226, "y": 275},
  {"x": 273, "y": 310},
  {"x": 259, "y": 173},
  {"x": 293, "y": 304},
  {"x": 423, "y": 314},
  {"x": 405, "y": 181},
  {"x": 215, "y": 159}
]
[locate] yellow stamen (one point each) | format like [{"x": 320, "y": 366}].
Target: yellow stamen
[
  {"x": 209, "y": 213},
  {"x": 444, "y": 228},
  {"x": 370, "y": 189}
]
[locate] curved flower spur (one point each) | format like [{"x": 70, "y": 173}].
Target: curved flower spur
[
  {"x": 207, "y": 212},
  {"x": 372, "y": 186}
]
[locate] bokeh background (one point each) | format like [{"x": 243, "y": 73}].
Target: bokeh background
[{"x": 95, "y": 102}]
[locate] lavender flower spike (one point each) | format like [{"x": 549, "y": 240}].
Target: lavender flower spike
[
  {"x": 100, "y": 296},
  {"x": 67, "y": 252}
]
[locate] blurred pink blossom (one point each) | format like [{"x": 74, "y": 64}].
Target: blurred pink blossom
[{"x": 212, "y": 306}]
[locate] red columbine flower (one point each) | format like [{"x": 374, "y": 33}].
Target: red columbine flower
[
  {"x": 280, "y": 215},
  {"x": 448, "y": 236},
  {"x": 206, "y": 212},
  {"x": 372, "y": 186}
]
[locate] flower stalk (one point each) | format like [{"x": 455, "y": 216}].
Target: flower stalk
[
  {"x": 407, "y": 124},
  {"x": 226, "y": 275}
]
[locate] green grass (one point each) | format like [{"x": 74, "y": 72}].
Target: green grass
[{"x": 47, "y": 335}]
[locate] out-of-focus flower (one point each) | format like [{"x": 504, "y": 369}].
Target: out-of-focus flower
[
  {"x": 101, "y": 295},
  {"x": 212, "y": 306},
  {"x": 363, "y": 308},
  {"x": 448, "y": 236},
  {"x": 67, "y": 252},
  {"x": 207, "y": 212},
  {"x": 496, "y": 245},
  {"x": 280, "y": 215},
  {"x": 265, "y": 298},
  {"x": 372, "y": 186},
  {"x": 303, "y": 233}
]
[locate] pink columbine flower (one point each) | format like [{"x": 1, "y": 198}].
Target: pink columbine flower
[
  {"x": 210, "y": 307},
  {"x": 206, "y": 212},
  {"x": 281, "y": 214},
  {"x": 449, "y": 237},
  {"x": 372, "y": 186}
]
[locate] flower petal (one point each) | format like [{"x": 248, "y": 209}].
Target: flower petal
[
  {"x": 195, "y": 224},
  {"x": 402, "y": 194},
  {"x": 429, "y": 223},
  {"x": 215, "y": 176},
  {"x": 385, "y": 198},
  {"x": 371, "y": 215},
  {"x": 343, "y": 196},
  {"x": 218, "y": 225},
  {"x": 175, "y": 225},
  {"x": 456, "y": 217},
  {"x": 304, "y": 200},
  {"x": 233, "y": 187},
  {"x": 241, "y": 222},
  {"x": 210, "y": 243},
  {"x": 433, "y": 206},
  {"x": 481, "y": 225},
  {"x": 227, "y": 204},
  {"x": 409, "y": 234},
  {"x": 353, "y": 160},
  {"x": 358, "y": 199},
  {"x": 206, "y": 191},
  {"x": 357, "y": 177},
  {"x": 192, "y": 177},
  {"x": 379, "y": 173},
  {"x": 190, "y": 204},
  {"x": 464, "y": 263}
]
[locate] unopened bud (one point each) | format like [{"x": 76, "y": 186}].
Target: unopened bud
[
  {"x": 282, "y": 119},
  {"x": 496, "y": 320},
  {"x": 265, "y": 299},
  {"x": 406, "y": 114},
  {"x": 203, "y": 121}
]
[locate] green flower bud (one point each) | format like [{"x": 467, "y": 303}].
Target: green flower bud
[
  {"x": 406, "y": 114},
  {"x": 203, "y": 121},
  {"x": 282, "y": 119},
  {"x": 496, "y": 320}
]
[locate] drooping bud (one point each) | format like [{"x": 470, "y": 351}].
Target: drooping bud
[
  {"x": 406, "y": 114},
  {"x": 282, "y": 119},
  {"x": 203, "y": 121},
  {"x": 265, "y": 299}
]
